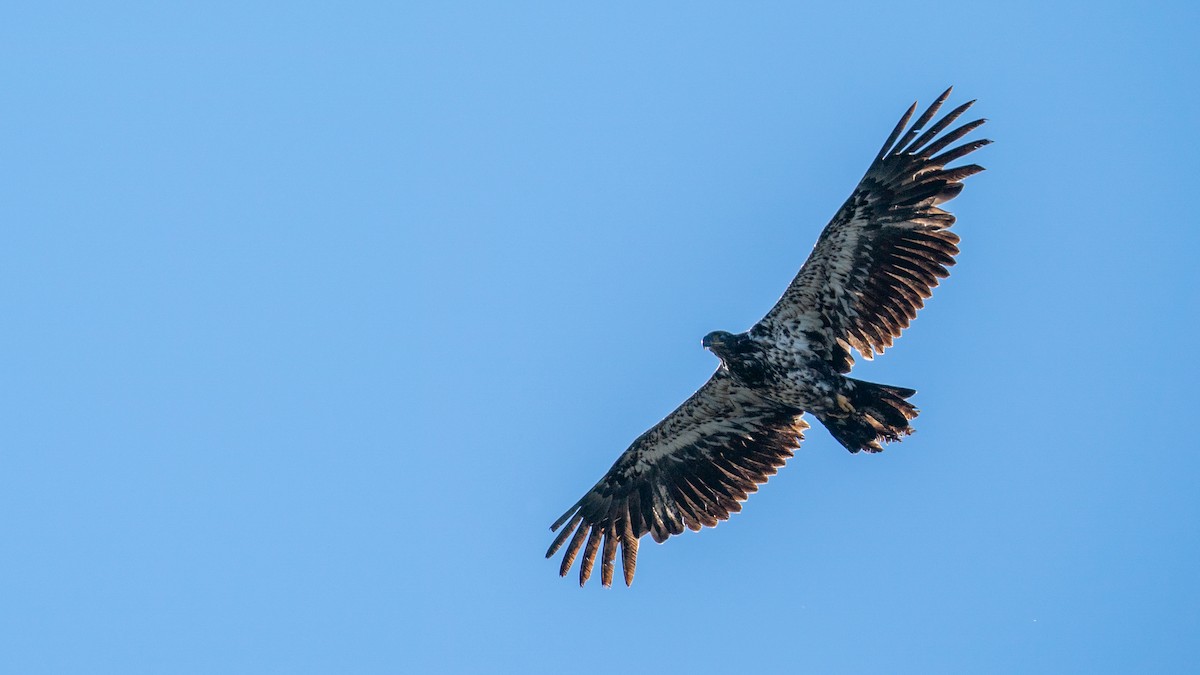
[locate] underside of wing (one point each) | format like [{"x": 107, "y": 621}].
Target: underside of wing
[
  {"x": 889, "y": 244},
  {"x": 690, "y": 470}
]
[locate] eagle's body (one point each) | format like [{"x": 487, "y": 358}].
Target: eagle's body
[
  {"x": 786, "y": 369},
  {"x": 867, "y": 276}
]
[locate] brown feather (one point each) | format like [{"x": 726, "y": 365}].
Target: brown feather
[
  {"x": 589, "y": 555},
  {"x": 573, "y": 548},
  {"x": 608, "y": 556}
]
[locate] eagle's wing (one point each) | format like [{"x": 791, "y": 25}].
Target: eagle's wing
[
  {"x": 689, "y": 470},
  {"x": 882, "y": 254}
]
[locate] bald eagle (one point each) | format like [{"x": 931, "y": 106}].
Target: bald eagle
[{"x": 869, "y": 273}]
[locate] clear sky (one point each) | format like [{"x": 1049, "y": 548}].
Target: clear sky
[{"x": 316, "y": 317}]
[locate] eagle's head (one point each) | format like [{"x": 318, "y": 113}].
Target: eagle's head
[{"x": 719, "y": 342}]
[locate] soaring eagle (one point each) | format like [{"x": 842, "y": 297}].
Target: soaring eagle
[{"x": 869, "y": 273}]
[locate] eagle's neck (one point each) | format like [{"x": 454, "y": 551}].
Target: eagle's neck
[{"x": 741, "y": 356}]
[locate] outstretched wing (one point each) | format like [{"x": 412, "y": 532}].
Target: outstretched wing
[
  {"x": 884, "y": 251},
  {"x": 690, "y": 470}
]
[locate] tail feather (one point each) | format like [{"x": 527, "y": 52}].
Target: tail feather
[{"x": 881, "y": 414}]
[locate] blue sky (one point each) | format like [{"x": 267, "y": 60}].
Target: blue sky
[{"x": 317, "y": 317}]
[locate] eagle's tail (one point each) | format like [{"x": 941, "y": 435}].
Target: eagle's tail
[{"x": 877, "y": 413}]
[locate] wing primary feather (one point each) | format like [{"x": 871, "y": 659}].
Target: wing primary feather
[
  {"x": 563, "y": 518},
  {"x": 887, "y": 145},
  {"x": 950, "y": 137},
  {"x": 609, "y": 555},
  {"x": 917, "y": 126},
  {"x": 589, "y": 555},
  {"x": 629, "y": 551},
  {"x": 960, "y": 173},
  {"x": 947, "y": 120},
  {"x": 573, "y": 549},
  {"x": 562, "y": 536},
  {"x": 961, "y": 151}
]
